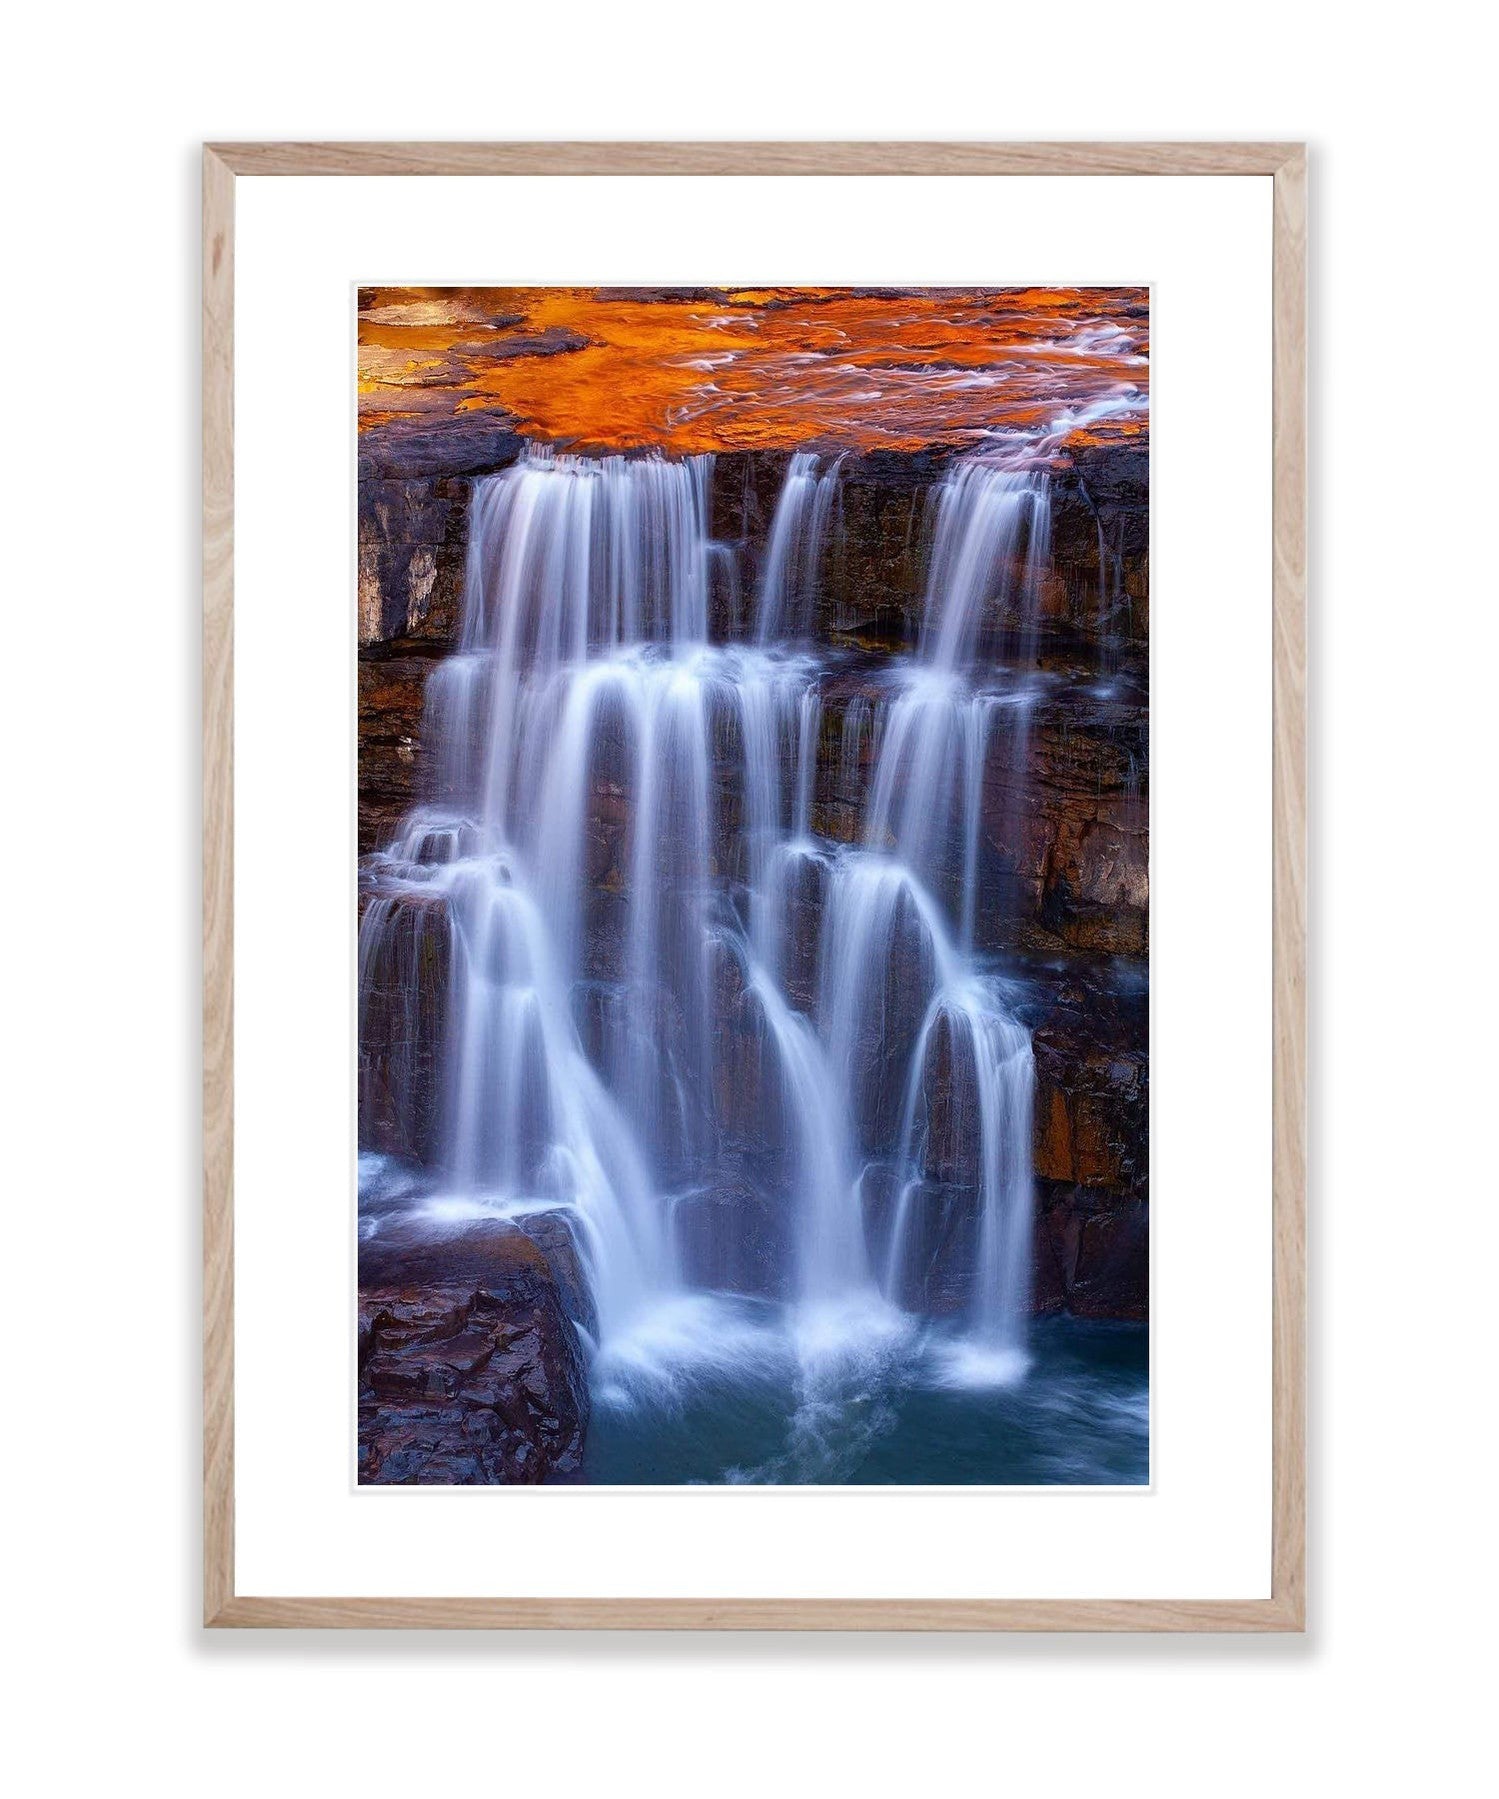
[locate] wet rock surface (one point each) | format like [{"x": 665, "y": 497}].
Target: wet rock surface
[
  {"x": 403, "y": 1021},
  {"x": 1091, "y": 1040},
  {"x": 885, "y": 1033},
  {"x": 936, "y": 1274},
  {"x": 471, "y": 1369},
  {"x": 1090, "y": 1026},
  {"x": 1092, "y": 1253},
  {"x": 735, "y": 1237},
  {"x": 392, "y": 687},
  {"x": 412, "y": 537}
]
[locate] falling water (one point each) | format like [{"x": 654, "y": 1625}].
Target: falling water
[
  {"x": 798, "y": 541},
  {"x": 990, "y": 543},
  {"x": 896, "y": 904},
  {"x": 621, "y": 844}
]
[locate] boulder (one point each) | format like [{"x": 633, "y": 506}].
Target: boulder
[{"x": 471, "y": 1369}]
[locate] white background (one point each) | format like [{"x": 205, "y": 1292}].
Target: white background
[
  {"x": 301, "y": 1525},
  {"x": 100, "y": 1038}
]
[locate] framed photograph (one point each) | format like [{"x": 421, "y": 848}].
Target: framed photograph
[{"x": 754, "y": 888}]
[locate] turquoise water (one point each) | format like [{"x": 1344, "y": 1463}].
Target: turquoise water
[{"x": 907, "y": 1409}]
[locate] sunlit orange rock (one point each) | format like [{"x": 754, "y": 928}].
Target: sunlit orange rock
[{"x": 689, "y": 371}]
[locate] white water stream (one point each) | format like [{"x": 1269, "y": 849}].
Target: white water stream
[{"x": 622, "y": 808}]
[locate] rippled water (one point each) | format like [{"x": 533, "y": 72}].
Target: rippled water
[{"x": 793, "y": 1400}]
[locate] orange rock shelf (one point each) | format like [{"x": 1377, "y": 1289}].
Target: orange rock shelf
[{"x": 696, "y": 370}]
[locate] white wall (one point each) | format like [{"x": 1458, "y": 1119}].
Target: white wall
[{"x": 105, "y": 109}]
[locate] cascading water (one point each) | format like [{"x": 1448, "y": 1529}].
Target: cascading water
[
  {"x": 622, "y": 838},
  {"x": 988, "y": 556},
  {"x": 798, "y": 542},
  {"x": 573, "y": 684},
  {"x": 920, "y": 871}
]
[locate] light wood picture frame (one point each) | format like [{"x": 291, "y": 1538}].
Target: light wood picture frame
[{"x": 1285, "y": 1608}]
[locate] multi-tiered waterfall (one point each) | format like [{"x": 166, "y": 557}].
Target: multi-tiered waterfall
[{"x": 735, "y": 1050}]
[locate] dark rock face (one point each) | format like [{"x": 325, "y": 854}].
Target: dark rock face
[
  {"x": 414, "y": 491},
  {"x": 460, "y": 447},
  {"x": 1092, "y": 1049},
  {"x": 748, "y": 1084},
  {"x": 735, "y": 1237},
  {"x": 412, "y": 535},
  {"x": 391, "y": 689},
  {"x": 406, "y": 950},
  {"x": 1063, "y": 852},
  {"x": 1100, "y": 542},
  {"x": 470, "y": 1369},
  {"x": 872, "y": 587},
  {"x": 1097, "y": 1251},
  {"x": 1094, "y": 840},
  {"x": 805, "y": 894},
  {"x": 941, "y": 1248},
  {"x": 887, "y": 1026},
  {"x": 1091, "y": 1045},
  {"x": 953, "y": 1148}
]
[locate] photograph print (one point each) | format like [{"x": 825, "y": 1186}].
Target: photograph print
[{"x": 753, "y": 886}]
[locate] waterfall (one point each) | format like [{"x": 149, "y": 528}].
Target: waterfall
[
  {"x": 992, "y": 1078},
  {"x": 808, "y": 726},
  {"x": 990, "y": 542},
  {"x": 798, "y": 541},
  {"x": 668, "y": 1006},
  {"x": 571, "y": 701},
  {"x": 899, "y": 902}
]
